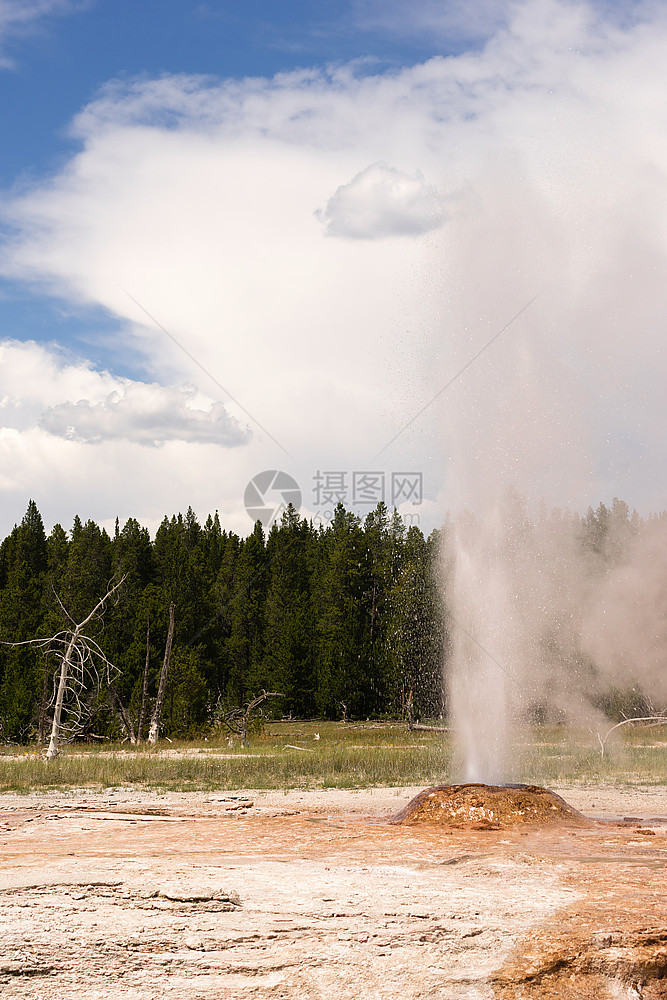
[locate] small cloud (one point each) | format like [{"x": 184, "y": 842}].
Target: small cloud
[
  {"x": 451, "y": 22},
  {"x": 145, "y": 414},
  {"x": 382, "y": 201},
  {"x": 18, "y": 18}
]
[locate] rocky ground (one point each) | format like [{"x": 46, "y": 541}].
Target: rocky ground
[{"x": 310, "y": 894}]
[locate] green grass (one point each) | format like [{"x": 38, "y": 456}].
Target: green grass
[{"x": 345, "y": 756}]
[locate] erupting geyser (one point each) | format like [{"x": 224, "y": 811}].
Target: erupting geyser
[
  {"x": 489, "y": 807},
  {"x": 492, "y": 649}
]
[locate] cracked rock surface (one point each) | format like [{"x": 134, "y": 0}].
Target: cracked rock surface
[{"x": 114, "y": 894}]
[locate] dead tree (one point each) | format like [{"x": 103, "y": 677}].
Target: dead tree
[
  {"x": 648, "y": 721},
  {"x": 417, "y": 726},
  {"x": 124, "y": 716},
  {"x": 82, "y": 667},
  {"x": 159, "y": 701},
  {"x": 239, "y": 720}
]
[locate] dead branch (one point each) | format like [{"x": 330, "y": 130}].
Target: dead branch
[
  {"x": 239, "y": 719},
  {"x": 62, "y": 607},
  {"x": 650, "y": 721},
  {"x": 125, "y": 717},
  {"x": 83, "y": 667},
  {"x": 417, "y": 726}
]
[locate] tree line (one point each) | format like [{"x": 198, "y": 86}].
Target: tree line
[{"x": 344, "y": 620}]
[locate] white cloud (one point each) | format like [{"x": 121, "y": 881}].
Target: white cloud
[
  {"x": 40, "y": 388},
  {"x": 453, "y": 23},
  {"x": 382, "y": 201},
  {"x": 34, "y": 377},
  {"x": 454, "y": 20},
  {"x": 198, "y": 198},
  {"x": 76, "y": 439},
  {"x": 118, "y": 478},
  {"x": 145, "y": 414},
  {"x": 20, "y": 17}
]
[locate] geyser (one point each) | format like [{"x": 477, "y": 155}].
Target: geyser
[
  {"x": 489, "y": 807},
  {"x": 491, "y": 643},
  {"x": 548, "y": 616}
]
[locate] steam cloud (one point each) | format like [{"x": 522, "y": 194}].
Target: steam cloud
[
  {"x": 552, "y": 618},
  {"x": 624, "y": 628}
]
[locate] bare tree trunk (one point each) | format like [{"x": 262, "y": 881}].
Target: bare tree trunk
[
  {"x": 77, "y": 664},
  {"x": 159, "y": 701},
  {"x": 409, "y": 710},
  {"x": 239, "y": 719},
  {"x": 125, "y": 718},
  {"x": 52, "y": 752},
  {"x": 144, "y": 690}
]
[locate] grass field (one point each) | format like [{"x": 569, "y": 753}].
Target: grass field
[{"x": 346, "y": 755}]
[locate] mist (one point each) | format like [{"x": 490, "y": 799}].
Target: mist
[{"x": 557, "y": 619}]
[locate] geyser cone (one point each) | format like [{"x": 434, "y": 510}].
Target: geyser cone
[{"x": 489, "y": 807}]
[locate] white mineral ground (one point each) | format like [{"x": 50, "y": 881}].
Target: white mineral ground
[{"x": 131, "y": 893}]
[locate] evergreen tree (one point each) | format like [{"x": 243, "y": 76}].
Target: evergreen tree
[
  {"x": 417, "y": 638},
  {"x": 24, "y": 560},
  {"x": 89, "y": 568},
  {"x": 382, "y": 563},
  {"x": 290, "y": 628},
  {"x": 341, "y": 598},
  {"x": 223, "y": 596},
  {"x": 344, "y": 620},
  {"x": 247, "y": 610},
  {"x": 126, "y": 621}
]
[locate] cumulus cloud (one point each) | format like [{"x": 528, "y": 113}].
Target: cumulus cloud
[
  {"x": 41, "y": 388},
  {"x": 144, "y": 414},
  {"x": 382, "y": 201},
  {"x": 34, "y": 377},
  {"x": 80, "y": 440}
]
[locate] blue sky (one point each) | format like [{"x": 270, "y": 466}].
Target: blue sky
[
  {"x": 247, "y": 236},
  {"x": 59, "y": 61}
]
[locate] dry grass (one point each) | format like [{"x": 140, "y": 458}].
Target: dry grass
[{"x": 288, "y": 755}]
